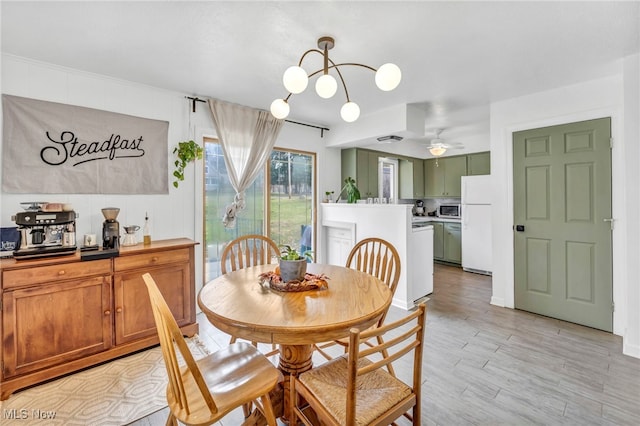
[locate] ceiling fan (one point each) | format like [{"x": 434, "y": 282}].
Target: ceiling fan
[{"x": 438, "y": 146}]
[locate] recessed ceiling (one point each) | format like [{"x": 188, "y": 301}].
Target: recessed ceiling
[{"x": 456, "y": 57}]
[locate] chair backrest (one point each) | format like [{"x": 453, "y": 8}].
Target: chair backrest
[
  {"x": 379, "y": 258},
  {"x": 403, "y": 336},
  {"x": 170, "y": 338},
  {"x": 249, "y": 250}
]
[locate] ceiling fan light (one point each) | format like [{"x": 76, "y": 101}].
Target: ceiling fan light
[
  {"x": 295, "y": 79},
  {"x": 280, "y": 109},
  {"x": 388, "y": 77},
  {"x": 437, "y": 150},
  {"x": 350, "y": 112},
  {"x": 326, "y": 86}
]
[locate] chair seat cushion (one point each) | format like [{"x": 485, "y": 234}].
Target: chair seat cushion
[{"x": 376, "y": 392}]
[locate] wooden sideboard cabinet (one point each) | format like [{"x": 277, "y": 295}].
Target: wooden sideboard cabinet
[{"x": 60, "y": 315}]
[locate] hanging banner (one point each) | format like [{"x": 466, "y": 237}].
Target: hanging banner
[{"x": 52, "y": 148}]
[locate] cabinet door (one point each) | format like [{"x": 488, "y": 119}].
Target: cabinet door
[
  {"x": 372, "y": 180},
  {"x": 406, "y": 179},
  {"x": 338, "y": 246},
  {"x": 452, "y": 243},
  {"x": 434, "y": 178},
  {"x": 362, "y": 173},
  {"x": 478, "y": 164},
  {"x": 455, "y": 168},
  {"x": 52, "y": 324},
  {"x": 438, "y": 240},
  {"x": 418, "y": 179},
  {"x": 133, "y": 315}
]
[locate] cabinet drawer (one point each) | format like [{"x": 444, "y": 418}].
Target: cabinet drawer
[
  {"x": 339, "y": 233},
  {"x": 46, "y": 274},
  {"x": 151, "y": 259}
]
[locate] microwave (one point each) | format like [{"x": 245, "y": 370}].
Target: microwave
[{"x": 453, "y": 211}]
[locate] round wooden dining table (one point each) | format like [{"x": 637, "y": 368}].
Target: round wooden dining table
[{"x": 238, "y": 304}]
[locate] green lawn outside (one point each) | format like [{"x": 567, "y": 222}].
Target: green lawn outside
[{"x": 287, "y": 216}]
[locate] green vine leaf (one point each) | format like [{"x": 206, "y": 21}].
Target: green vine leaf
[{"x": 187, "y": 151}]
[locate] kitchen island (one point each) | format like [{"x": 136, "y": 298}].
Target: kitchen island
[{"x": 345, "y": 224}]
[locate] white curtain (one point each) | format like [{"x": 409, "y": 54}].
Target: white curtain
[{"x": 247, "y": 137}]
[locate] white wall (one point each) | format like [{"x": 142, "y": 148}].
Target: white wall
[
  {"x": 176, "y": 214},
  {"x": 599, "y": 98}
]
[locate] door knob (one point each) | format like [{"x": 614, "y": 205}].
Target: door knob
[{"x": 519, "y": 228}]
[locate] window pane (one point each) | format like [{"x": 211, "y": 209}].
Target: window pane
[
  {"x": 291, "y": 199},
  {"x": 218, "y": 194}
]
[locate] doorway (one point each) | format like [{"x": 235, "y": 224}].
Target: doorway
[{"x": 562, "y": 216}]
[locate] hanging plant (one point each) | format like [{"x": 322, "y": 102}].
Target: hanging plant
[{"x": 186, "y": 152}]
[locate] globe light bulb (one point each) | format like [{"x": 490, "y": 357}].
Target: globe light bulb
[
  {"x": 388, "y": 77},
  {"x": 280, "y": 109},
  {"x": 295, "y": 79},
  {"x": 326, "y": 86},
  {"x": 350, "y": 112},
  {"x": 437, "y": 150}
]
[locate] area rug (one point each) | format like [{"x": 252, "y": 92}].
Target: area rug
[{"x": 116, "y": 393}]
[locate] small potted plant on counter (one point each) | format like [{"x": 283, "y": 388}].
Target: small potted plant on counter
[
  {"x": 327, "y": 198},
  {"x": 292, "y": 264},
  {"x": 353, "y": 194}
]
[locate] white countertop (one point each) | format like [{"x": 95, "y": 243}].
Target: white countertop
[{"x": 419, "y": 219}]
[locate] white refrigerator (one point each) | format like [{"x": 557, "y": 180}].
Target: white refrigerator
[{"x": 476, "y": 224}]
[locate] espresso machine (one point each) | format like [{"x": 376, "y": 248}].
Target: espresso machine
[
  {"x": 110, "y": 228},
  {"x": 45, "y": 233}
]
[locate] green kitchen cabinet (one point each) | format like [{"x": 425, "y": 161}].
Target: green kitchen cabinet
[
  {"x": 411, "y": 175},
  {"x": 362, "y": 165},
  {"x": 478, "y": 164},
  {"x": 447, "y": 242},
  {"x": 438, "y": 240},
  {"x": 442, "y": 176},
  {"x": 452, "y": 243}
]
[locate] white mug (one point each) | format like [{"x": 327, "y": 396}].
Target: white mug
[{"x": 90, "y": 240}]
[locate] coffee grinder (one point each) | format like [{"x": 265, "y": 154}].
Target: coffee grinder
[{"x": 110, "y": 228}]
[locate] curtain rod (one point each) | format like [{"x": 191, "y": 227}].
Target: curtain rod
[{"x": 197, "y": 99}]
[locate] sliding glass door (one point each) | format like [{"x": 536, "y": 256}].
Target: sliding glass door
[{"x": 286, "y": 214}]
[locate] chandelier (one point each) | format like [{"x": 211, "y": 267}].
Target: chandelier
[{"x": 295, "y": 80}]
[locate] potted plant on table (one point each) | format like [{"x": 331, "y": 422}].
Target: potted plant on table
[{"x": 293, "y": 265}]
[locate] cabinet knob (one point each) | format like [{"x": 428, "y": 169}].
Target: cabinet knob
[
  {"x": 61, "y": 272},
  {"x": 118, "y": 310},
  {"x": 107, "y": 312},
  {"x": 154, "y": 259}
]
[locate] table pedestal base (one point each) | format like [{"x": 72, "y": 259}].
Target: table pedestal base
[{"x": 294, "y": 360}]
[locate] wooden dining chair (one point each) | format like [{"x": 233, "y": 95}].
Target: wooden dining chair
[
  {"x": 355, "y": 389},
  {"x": 246, "y": 251},
  {"x": 379, "y": 258},
  {"x": 202, "y": 392}
]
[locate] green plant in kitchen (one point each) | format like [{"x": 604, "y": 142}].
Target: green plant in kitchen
[
  {"x": 353, "y": 194},
  {"x": 328, "y": 195},
  {"x": 186, "y": 151}
]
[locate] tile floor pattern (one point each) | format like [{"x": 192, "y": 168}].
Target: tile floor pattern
[{"x": 485, "y": 365}]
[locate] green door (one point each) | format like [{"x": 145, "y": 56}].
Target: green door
[{"x": 562, "y": 227}]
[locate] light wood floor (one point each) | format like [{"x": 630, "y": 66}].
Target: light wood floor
[{"x": 485, "y": 365}]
